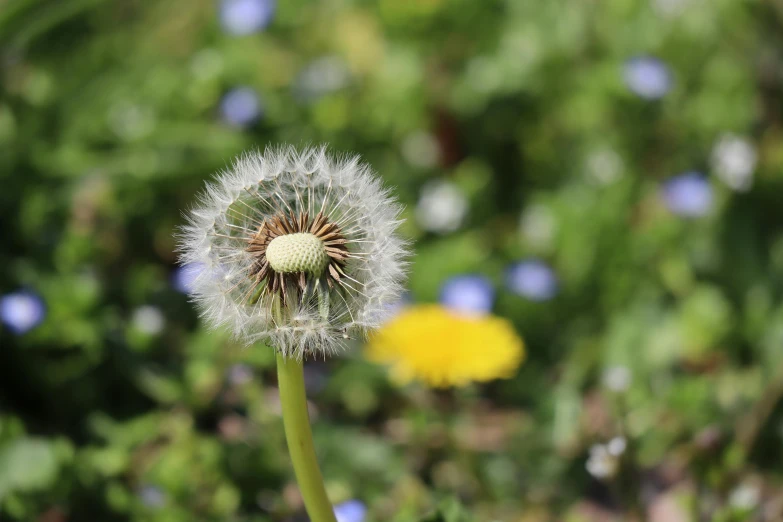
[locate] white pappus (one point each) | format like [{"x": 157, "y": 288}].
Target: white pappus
[{"x": 299, "y": 248}]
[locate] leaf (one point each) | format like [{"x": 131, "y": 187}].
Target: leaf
[
  {"x": 27, "y": 464},
  {"x": 448, "y": 510}
]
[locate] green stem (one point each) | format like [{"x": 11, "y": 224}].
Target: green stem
[{"x": 290, "y": 377}]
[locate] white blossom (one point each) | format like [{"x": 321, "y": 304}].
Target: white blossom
[
  {"x": 148, "y": 319},
  {"x": 601, "y": 463},
  {"x": 734, "y": 160},
  {"x": 442, "y": 207},
  {"x": 617, "y": 378}
]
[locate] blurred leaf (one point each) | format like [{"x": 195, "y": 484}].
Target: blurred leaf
[{"x": 27, "y": 464}]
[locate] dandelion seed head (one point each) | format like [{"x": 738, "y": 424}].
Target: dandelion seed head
[{"x": 299, "y": 250}]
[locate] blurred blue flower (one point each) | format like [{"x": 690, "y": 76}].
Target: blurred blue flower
[
  {"x": 152, "y": 496},
  {"x": 320, "y": 77},
  {"x": 532, "y": 279},
  {"x": 647, "y": 77},
  {"x": 185, "y": 275},
  {"x": 316, "y": 375},
  {"x": 350, "y": 511},
  {"x": 241, "y": 106},
  {"x": 471, "y": 294},
  {"x": 688, "y": 195},
  {"x": 21, "y": 311},
  {"x": 239, "y": 374},
  {"x": 241, "y": 17}
]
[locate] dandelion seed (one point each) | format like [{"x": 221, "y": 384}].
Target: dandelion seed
[{"x": 299, "y": 250}]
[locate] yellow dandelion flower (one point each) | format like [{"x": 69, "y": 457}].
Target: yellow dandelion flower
[{"x": 441, "y": 348}]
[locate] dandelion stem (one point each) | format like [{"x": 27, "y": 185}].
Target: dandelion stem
[{"x": 299, "y": 436}]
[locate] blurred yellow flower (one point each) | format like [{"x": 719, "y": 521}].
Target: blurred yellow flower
[{"x": 441, "y": 348}]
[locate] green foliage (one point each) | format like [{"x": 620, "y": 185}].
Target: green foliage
[{"x": 121, "y": 406}]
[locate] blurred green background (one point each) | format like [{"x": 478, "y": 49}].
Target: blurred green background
[{"x": 607, "y": 175}]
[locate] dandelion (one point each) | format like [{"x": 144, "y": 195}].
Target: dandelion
[
  {"x": 298, "y": 250},
  {"x": 441, "y": 348}
]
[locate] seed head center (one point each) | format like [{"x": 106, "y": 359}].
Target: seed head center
[{"x": 298, "y": 252}]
